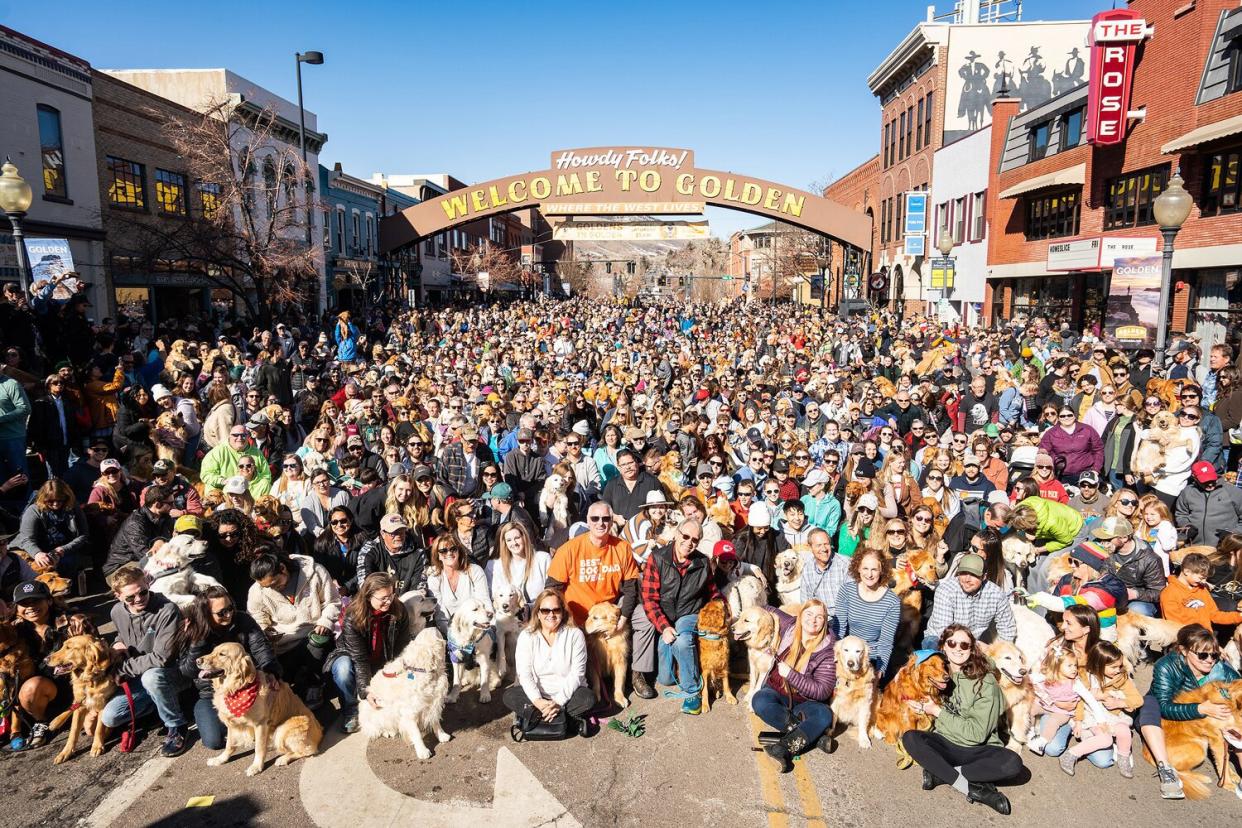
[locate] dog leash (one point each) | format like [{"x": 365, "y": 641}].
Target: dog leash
[{"x": 129, "y": 739}]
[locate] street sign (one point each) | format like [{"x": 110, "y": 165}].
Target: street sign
[
  {"x": 878, "y": 282},
  {"x": 942, "y": 273},
  {"x": 916, "y": 245},
  {"x": 852, "y": 280},
  {"x": 916, "y": 214}
]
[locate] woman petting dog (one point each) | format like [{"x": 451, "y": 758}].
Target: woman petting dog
[{"x": 375, "y": 630}]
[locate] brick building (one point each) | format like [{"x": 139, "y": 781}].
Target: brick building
[
  {"x": 858, "y": 189},
  {"x": 1060, "y": 199}
]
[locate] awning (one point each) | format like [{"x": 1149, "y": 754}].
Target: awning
[
  {"x": 1076, "y": 174},
  {"x": 1204, "y": 134}
]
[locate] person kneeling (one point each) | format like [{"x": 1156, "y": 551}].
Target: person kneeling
[
  {"x": 551, "y": 666},
  {"x": 795, "y": 699},
  {"x": 963, "y": 749}
]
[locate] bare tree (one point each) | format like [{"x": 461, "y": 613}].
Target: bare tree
[
  {"x": 247, "y": 223},
  {"x": 578, "y": 273},
  {"x": 363, "y": 275},
  {"x": 498, "y": 264}
]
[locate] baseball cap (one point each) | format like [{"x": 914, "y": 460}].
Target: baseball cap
[
  {"x": 1089, "y": 477},
  {"x": 395, "y": 469},
  {"x": 970, "y": 460},
  {"x": 257, "y": 421},
  {"x": 423, "y": 471},
  {"x": 701, "y": 470},
  {"x": 867, "y": 501},
  {"x": 392, "y": 523},
  {"x": 163, "y": 466},
  {"x": 354, "y": 440},
  {"x": 970, "y": 565},
  {"x": 235, "y": 485},
  {"x": 724, "y": 551},
  {"x": 110, "y": 464},
  {"x": 754, "y": 435},
  {"x": 188, "y": 525},
  {"x": 781, "y": 466},
  {"x": 501, "y": 491},
  {"x": 1203, "y": 471},
  {"x": 632, "y": 433},
  {"x": 30, "y": 590},
  {"x": 1111, "y": 527},
  {"x": 814, "y": 478}
]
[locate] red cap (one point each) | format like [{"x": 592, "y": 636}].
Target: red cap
[
  {"x": 723, "y": 551},
  {"x": 1203, "y": 471},
  {"x": 701, "y": 394}
]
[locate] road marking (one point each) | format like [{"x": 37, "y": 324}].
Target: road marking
[
  {"x": 366, "y": 802},
  {"x": 769, "y": 781},
  {"x": 811, "y": 806},
  {"x": 125, "y": 794}
]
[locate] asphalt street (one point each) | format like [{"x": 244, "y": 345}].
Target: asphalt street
[{"x": 685, "y": 771}]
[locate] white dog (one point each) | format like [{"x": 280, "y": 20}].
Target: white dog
[
  {"x": 171, "y": 574},
  {"x": 471, "y": 648},
  {"x": 1034, "y": 633},
  {"x": 554, "y": 504},
  {"x": 507, "y": 604},
  {"x": 788, "y": 566},
  {"x": 420, "y": 607},
  {"x": 406, "y": 697},
  {"x": 744, "y": 593}
]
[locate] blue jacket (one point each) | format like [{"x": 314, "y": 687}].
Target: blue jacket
[
  {"x": 346, "y": 346},
  {"x": 1172, "y": 675}
]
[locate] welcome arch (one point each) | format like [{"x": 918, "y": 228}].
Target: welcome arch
[{"x": 626, "y": 180}]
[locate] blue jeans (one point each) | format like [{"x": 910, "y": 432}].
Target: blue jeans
[
  {"x": 685, "y": 651},
  {"x": 1143, "y": 608},
  {"x": 1102, "y": 758},
  {"x": 158, "y": 688},
  {"x": 346, "y": 681},
  {"x": 814, "y": 717},
  {"x": 211, "y": 731}
]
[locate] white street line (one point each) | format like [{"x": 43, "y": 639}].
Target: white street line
[{"x": 127, "y": 793}]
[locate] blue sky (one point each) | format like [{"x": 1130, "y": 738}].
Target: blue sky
[{"x": 482, "y": 89}]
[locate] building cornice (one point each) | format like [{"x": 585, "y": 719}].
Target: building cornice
[{"x": 922, "y": 36}]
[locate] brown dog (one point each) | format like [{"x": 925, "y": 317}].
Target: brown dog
[
  {"x": 257, "y": 707},
  {"x": 919, "y": 570},
  {"x": 759, "y": 630},
  {"x": 1015, "y": 684},
  {"x": 88, "y": 660},
  {"x": 16, "y": 666},
  {"x": 608, "y": 651},
  {"x": 917, "y": 681},
  {"x": 854, "y": 699},
  {"x": 1189, "y": 743},
  {"x": 714, "y": 652}
]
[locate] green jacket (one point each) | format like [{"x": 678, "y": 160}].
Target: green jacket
[
  {"x": 220, "y": 464},
  {"x": 1059, "y": 525},
  {"x": 1172, "y": 675},
  {"x": 971, "y": 714},
  {"x": 14, "y": 409}
]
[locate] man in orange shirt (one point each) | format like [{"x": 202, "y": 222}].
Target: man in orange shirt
[{"x": 599, "y": 566}]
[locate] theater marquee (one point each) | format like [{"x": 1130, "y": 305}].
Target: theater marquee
[{"x": 626, "y": 180}]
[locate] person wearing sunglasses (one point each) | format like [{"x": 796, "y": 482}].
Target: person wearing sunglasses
[
  {"x": 148, "y": 627},
  {"x": 1194, "y": 662},
  {"x": 211, "y": 620},
  {"x": 962, "y": 749},
  {"x": 222, "y": 462},
  {"x": 550, "y": 662},
  {"x": 1075, "y": 447}
]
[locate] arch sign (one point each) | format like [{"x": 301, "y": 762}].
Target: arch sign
[{"x": 626, "y": 180}]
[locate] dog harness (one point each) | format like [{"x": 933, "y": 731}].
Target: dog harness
[{"x": 463, "y": 654}]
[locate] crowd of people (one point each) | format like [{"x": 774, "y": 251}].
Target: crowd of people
[{"x": 649, "y": 455}]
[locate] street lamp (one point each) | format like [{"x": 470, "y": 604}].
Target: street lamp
[
  {"x": 15, "y": 198},
  {"x": 945, "y": 245},
  {"x": 315, "y": 59},
  {"x": 1170, "y": 208}
]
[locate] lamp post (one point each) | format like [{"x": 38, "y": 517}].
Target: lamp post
[
  {"x": 15, "y": 198},
  {"x": 315, "y": 59},
  {"x": 945, "y": 246},
  {"x": 1171, "y": 209}
]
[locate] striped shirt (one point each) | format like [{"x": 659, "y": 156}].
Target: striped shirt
[{"x": 873, "y": 621}]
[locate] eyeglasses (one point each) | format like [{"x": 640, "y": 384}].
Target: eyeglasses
[
  {"x": 290, "y": 466},
  {"x": 551, "y": 611},
  {"x": 691, "y": 538},
  {"x": 935, "y": 477},
  {"x": 1188, "y": 395},
  {"x": 866, "y": 509},
  {"x": 954, "y": 644},
  {"x": 112, "y": 473},
  {"x": 599, "y": 518},
  {"x": 921, "y": 519},
  {"x": 1153, "y": 404},
  {"x": 227, "y": 535},
  {"x": 237, "y": 434},
  {"x": 805, "y": 457},
  {"x": 485, "y": 474},
  {"x": 715, "y": 462},
  {"x": 1128, "y": 501},
  {"x": 1067, "y": 416},
  {"x": 895, "y": 532},
  {"x": 245, "y": 465},
  {"x": 340, "y": 522},
  {"x": 140, "y": 595},
  {"x": 1188, "y": 415},
  {"x": 227, "y": 612},
  {"x": 1206, "y": 655}
]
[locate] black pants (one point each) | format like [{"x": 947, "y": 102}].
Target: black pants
[
  {"x": 579, "y": 704},
  {"x": 979, "y": 763}
]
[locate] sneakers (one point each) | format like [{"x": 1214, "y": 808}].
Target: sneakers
[
  {"x": 642, "y": 687},
  {"x": 38, "y": 734},
  {"x": 692, "y": 706},
  {"x": 1125, "y": 765},
  {"x": 175, "y": 743},
  {"x": 349, "y": 724},
  {"x": 1068, "y": 761},
  {"x": 1037, "y": 745},
  {"x": 1170, "y": 784}
]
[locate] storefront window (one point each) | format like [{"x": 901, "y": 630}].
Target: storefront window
[
  {"x": 1220, "y": 183},
  {"x": 1052, "y": 216}
]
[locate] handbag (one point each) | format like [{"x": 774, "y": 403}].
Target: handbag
[{"x": 530, "y": 726}]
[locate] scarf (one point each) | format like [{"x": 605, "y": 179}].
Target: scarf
[
  {"x": 379, "y": 620},
  {"x": 242, "y": 700}
]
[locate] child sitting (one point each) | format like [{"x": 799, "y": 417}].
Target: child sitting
[
  {"x": 1187, "y": 599},
  {"x": 1054, "y": 690},
  {"x": 1108, "y": 694}
]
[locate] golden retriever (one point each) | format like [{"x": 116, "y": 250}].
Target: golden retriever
[
  {"x": 507, "y": 604},
  {"x": 1134, "y": 631},
  {"x": 1154, "y": 444},
  {"x": 169, "y": 436},
  {"x": 1190, "y": 742},
  {"x": 744, "y": 593},
  {"x": 16, "y": 666},
  {"x": 257, "y": 709},
  {"x": 714, "y": 652},
  {"x": 788, "y": 567},
  {"x": 758, "y": 629},
  {"x": 1233, "y": 650},
  {"x": 406, "y": 697},
  {"x": 88, "y": 660},
  {"x": 918, "y": 571},
  {"x": 608, "y": 651},
  {"x": 1015, "y": 684},
  {"x": 916, "y": 681},
  {"x": 854, "y": 699},
  {"x": 471, "y": 650}
]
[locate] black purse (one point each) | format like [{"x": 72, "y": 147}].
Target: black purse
[{"x": 532, "y": 727}]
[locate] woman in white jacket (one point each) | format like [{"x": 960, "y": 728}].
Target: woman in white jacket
[
  {"x": 452, "y": 579},
  {"x": 551, "y": 666},
  {"x": 1171, "y": 477},
  {"x": 517, "y": 563}
]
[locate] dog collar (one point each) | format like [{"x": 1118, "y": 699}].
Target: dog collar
[
  {"x": 408, "y": 673},
  {"x": 708, "y": 636}
]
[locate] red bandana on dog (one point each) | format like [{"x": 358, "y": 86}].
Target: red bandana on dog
[{"x": 241, "y": 701}]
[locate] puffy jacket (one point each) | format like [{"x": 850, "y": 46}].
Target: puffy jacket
[
  {"x": 1081, "y": 449},
  {"x": 134, "y": 538},
  {"x": 243, "y": 631},
  {"x": 356, "y": 644},
  {"x": 1213, "y": 514},
  {"x": 1106, "y": 596},
  {"x": 1059, "y": 525},
  {"x": 820, "y": 678},
  {"x": 1172, "y": 675},
  {"x": 1141, "y": 571}
]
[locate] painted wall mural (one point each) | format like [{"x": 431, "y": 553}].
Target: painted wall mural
[{"x": 1031, "y": 62}]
